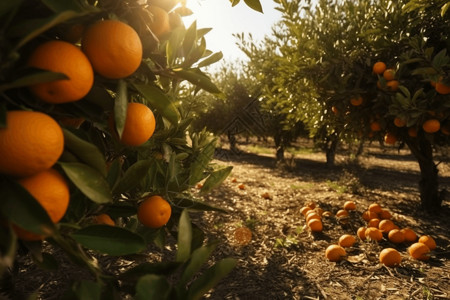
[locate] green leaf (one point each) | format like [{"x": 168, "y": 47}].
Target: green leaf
[
  {"x": 35, "y": 27},
  {"x": 157, "y": 99},
  {"x": 152, "y": 287},
  {"x": 190, "y": 38},
  {"x": 133, "y": 175},
  {"x": 215, "y": 179},
  {"x": 234, "y": 2},
  {"x": 161, "y": 268},
  {"x": 120, "y": 107},
  {"x": 254, "y": 4},
  {"x": 22, "y": 209},
  {"x": 6, "y": 7},
  {"x": 89, "y": 181},
  {"x": 33, "y": 79},
  {"x": 88, "y": 290},
  {"x": 196, "y": 77},
  {"x": 200, "y": 163},
  {"x": 74, "y": 5},
  {"x": 210, "y": 278},
  {"x": 198, "y": 258},
  {"x": 444, "y": 8},
  {"x": 184, "y": 237},
  {"x": 85, "y": 151},
  {"x": 109, "y": 239}
]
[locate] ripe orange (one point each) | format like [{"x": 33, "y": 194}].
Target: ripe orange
[
  {"x": 346, "y": 240},
  {"x": 175, "y": 20},
  {"x": 399, "y": 122},
  {"x": 375, "y": 207},
  {"x": 160, "y": 24},
  {"x": 241, "y": 186},
  {"x": 361, "y": 233},
  {"x": 419, "y": 251},
  {"x": 369, "y": 215},
  {"x": 31, "y": 143},
  {"x": 375, "y": 126},
  {"x": 335, "y": 110},
  {"x": 357, "y": 101},
  {"x": 431, "y": 126},
  {"x": 396, "y": 236},
  {"x": 389, "y": 74},
  {"x": 386, "y": 225},
  {"x": 311, "y": 216},
  {"x": 62, "y": 57},
  {"x": 379, "y": 67},
  {"x": 412, "y": 132},
  {"x": 50, "y": 189},
  {"x": 304, "y": 210},
  {"x": 315, "y": 225},
  {"x": 385, "y": 214},
  {"x": 390, "y": 138},
  {"x": 139, "y": 124},
  {"x": 113, "y": 47},
  {"x": 349, "y": 205},
  {"x": 392, "y": 85},
  {"x": 342, "y": 213},
  {"x": 373, "y": 234},
  {"x": 104, "y": 219},
  {"x": 373, "y": 222},
  {"x": 429, "y": 241},
  {"x": 154, "y": 212},
  {"x": 311, "y": 204},
  {"x": 243, "y": 235},
  {"x": 335, "y": 253},
  {"x": 410, "y": 235},
  {"x": 442, "y": 88},
  {"x": 390, "y": 257}
]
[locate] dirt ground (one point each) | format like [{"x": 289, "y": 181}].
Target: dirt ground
[{"x": 284, "y": 261}]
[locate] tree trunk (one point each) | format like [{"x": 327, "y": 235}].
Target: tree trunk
[
  {"x": 422, "y": 149},
  {"x": 330, "y": 151},
  {"x": 232, "y": 140},
  {"x": 279, "y": 146}
]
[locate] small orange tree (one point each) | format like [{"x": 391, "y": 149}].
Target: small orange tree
[{"x": 96, "y": 85}]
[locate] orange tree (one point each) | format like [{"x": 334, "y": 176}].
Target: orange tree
[
  {"x": 333, "y": 48},
  {"x": 91, "y": 132}
]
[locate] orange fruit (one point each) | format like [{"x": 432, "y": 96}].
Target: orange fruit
[
  {"x": 234, "y": 180},
  {"x": 241, "y": 186},
  {"x": 139, "y": 124},
  {"x": 356, "y": 101},
  {"x": 104, "y": 219},
  {"x": 311, "y": 204},
  {"x": 51, "y": 190},
  {"x": 62, "y": 57},
  {"x": 429, "y": 241},
  {"x": 373, "y": 222},
  {"x": 390, "y": 257},
  {"x": 410, "y": 235},
  {"x": 392, "y": 85},
  {"x": 154, "y": 212},
  {"x": 374, "y": 234},
  {"x": 342, "y": 213},
  {"x": 419, "y": 251},
  {"x": 315, "y": 225},
  {"x": 379, "y": 67},
  {"x": 304, "y": 210},
  {"x": 386, "y": 225},
  {"x": 319, "y": 211},
  {"x": 349, "y": 205},
  {"x": 390, "y": 138},
  {"x": 442, "y": 88},
  {"x": 243, "y": 235},
  {"x": 369, "y": 215},
  {"x": 361, "y": 233},
  {"x": 396, "y": 236},
  {"x": 311, "y": 216},
  {"x": 346, "y": 240},
  {"x": 431, "y": 126},
  {"x": 385, "y": 214},
  {"x": 399, "y": 122},
  {"x": 335, "y": 110},
  {"x": 327, "y": 214},
  {"x": 31, "y": 143},
  {"x": 375, "y": 207},
  {"x": 175, "y": 20},
  {"x": 375, "y": 126},
  {"x": 389, "y": 74},
  {"x": 199, "y": 185},
  {"x": 412, "y": 132},
  {"x": 335, "y": 253},
  {"x": 113, "y": 47},
  {"x": 160, "y": 24}
]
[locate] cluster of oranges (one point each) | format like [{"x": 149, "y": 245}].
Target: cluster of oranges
[
  {"x": 313, "y": 216},
  {"x": 380, "y": 226},
  {"x": 33, "y": 141}
]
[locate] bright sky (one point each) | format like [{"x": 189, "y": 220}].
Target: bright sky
[{"x": 226, "y": 20}]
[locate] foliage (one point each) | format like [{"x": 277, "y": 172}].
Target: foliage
[{"x": 105, "y": 176}]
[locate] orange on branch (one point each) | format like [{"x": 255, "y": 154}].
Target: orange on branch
[
  {"x": 160, "y": 24},
  {"x": 392, "y": 85},
  {"x": 389, "y": 74},
  {"x": 379, "y": 67},
  {"x": 399, "y": 122},
  {"x": 431, "y": 126},
  {"x": 139, "y": 126},
  {"x": 375, "y": 126},
  {"x": 154, "y": 212},
  {"x": 357, "y": 101},
  {"x": 390, "y": 138},
  {"x": 104, "y": 219}
]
